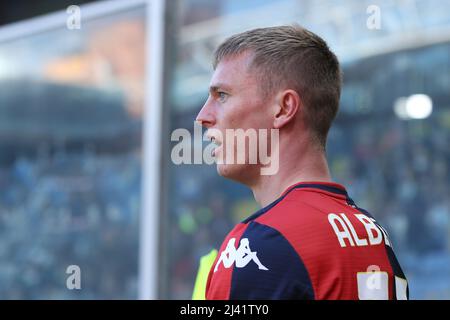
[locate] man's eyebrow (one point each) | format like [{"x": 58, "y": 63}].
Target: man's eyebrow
[{"x": 218, "y": 87}]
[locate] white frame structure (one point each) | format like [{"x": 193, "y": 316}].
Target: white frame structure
[{"x": 151, "y": 167}]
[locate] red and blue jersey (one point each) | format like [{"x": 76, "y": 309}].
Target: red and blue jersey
[{"x": 311, "y": 243}]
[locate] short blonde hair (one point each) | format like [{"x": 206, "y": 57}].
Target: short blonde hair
[{"x": 295, "y": 58}]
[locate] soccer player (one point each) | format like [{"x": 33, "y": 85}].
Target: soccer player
[{"x": 309, "y": 240}]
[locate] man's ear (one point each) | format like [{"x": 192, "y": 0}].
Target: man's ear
[{"x": 288, "y": 104}]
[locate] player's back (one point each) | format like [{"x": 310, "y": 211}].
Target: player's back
[{"x": 311, "y": 243}]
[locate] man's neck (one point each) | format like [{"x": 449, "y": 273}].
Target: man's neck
[{"x": 311, "y": 166}]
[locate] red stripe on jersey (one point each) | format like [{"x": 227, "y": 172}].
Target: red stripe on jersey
[
  {"x": 302, "y": 218},
  {"x": 220, "y": 289}
]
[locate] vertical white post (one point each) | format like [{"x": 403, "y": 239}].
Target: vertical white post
[{"x": 149, "y": 222}]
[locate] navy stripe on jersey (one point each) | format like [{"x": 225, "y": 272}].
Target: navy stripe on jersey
[
  {"x": 286, "y": 277},
  {"x": 396, "y": 269}
]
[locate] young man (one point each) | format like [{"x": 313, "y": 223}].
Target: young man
[{"x": 309, "y": 240}]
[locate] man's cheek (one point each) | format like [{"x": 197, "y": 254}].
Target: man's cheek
[{"x": 232, "y": 122}]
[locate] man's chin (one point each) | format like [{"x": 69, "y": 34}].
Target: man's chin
[{"x": 238, "y": 172}]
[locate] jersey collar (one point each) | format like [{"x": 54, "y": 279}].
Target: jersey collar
[{"x": 331, "y": 187}]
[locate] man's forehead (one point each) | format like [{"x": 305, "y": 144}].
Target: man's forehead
[
  {"x": 241, "y": 61},
  {"x": 231, "y": 70}
]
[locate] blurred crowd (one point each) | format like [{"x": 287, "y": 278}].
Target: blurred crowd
[
  {"x": 69, "y": 208},
  {"x": 63, "y": 208},
  {"x": 80, "y": 204},
  {"x": 397, "y": 172}
]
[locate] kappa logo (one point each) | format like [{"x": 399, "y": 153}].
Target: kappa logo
[{"x": 240, "y": 256}]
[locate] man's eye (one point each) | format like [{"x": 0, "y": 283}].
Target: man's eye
[{"x": 222, "y": 96}]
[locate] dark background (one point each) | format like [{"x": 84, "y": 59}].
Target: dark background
[{"x": 16, "y": 10}]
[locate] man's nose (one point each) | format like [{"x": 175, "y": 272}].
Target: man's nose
[{"x": 206, "y": 117}]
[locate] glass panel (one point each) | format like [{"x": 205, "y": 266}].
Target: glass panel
[
  {"x": 396, "y": 169},
  {"x": 71, "y": 104}
]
